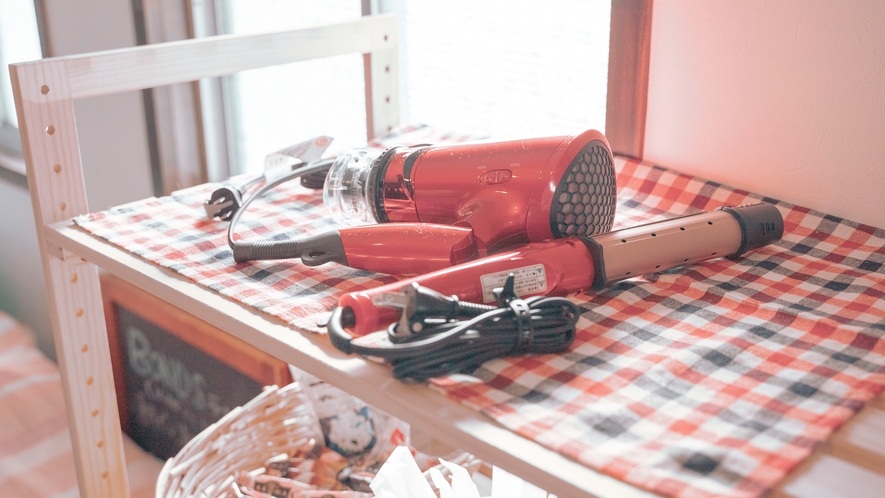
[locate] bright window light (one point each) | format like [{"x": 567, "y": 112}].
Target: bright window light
[
  {"x": 501, "y": 68},
  {"x": 274, "y": 107},
  {"x": 506, "y": 67}
]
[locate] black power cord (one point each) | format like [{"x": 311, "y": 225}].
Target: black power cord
[
  {"x": 536, "y": 325},
  {"x": 269, "y": 249}
]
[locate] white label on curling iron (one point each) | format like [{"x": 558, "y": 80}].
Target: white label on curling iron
[{"x": 526, "y": 280}]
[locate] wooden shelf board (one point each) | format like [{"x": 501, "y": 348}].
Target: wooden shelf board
[
  {"x": 428, "y": 411},
  {"x": 424, "y": 409}
]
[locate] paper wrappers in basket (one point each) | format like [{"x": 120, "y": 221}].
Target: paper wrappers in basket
[{"x": 275, "y": 421}]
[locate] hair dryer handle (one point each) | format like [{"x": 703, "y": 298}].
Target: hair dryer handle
[{"x": 407, "y": 248}]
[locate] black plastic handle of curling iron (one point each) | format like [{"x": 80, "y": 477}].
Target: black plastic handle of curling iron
[{"x": 761, "y": 224}]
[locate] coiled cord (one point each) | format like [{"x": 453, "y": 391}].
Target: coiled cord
[{"x": 537, "y": 325}]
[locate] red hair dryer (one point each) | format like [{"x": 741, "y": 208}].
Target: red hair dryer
[{"x": 430, "y": 207}]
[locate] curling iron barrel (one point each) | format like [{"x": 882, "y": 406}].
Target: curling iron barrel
[{"x": 574, "y": 264}]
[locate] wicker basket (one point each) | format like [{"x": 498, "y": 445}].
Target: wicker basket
[{"x": 275, "y": 421}]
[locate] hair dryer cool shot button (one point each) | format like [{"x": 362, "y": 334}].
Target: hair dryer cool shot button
[{"x": 496, "y": 177}]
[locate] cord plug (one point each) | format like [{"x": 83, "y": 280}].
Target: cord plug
[
  {"x": 223, "y": 203},
  {"x": 503, "y": 295},
  {"x": 421, "y": 307}
]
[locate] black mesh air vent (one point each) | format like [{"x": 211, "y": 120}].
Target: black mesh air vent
[{"x": 584, "y": 201}]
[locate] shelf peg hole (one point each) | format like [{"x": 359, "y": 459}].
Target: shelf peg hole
[
  {"x": 79, "y": 312},
  {"x": 386, "y": 69},
  {"x": 709, "y": 222},
  {"x": 62, "y": 206},
  {"x": 44, "y": 89},
  {"x": 74, "y": 278},
  {"x": 654, "y": 235},
  {"x": 95, "y": 412},
  {"x": 85, "y": 348},
  {"x": 713, "y": 254},
  {"x": 50, "y": 130},
  {"x": 89, "y": 381},
  {"x": 57, "y": 168},
  {"x": 658, "y": 266},
  {"x": 629, "y": 272},
  {"x": 682, "y": 228},
  {"x": 623, "y": 241},
  {"x": 385, "y": 37},
  {"x": 104, "y": 475},
  {"x": 100, "y": 444}
]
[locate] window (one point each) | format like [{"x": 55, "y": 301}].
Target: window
[
  {"x": 503, "y": 68},
  {"x": 19, "y": 41},
  {"x": 271, "y": 108}
]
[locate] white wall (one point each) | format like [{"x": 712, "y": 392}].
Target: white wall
[
  {"x": 784, "y": 98},
  {"x": 112, "y": 129},
  {"x": 22, "y": 291}
]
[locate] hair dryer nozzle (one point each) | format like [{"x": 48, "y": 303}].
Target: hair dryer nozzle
[{"x": 349, "y": 188}]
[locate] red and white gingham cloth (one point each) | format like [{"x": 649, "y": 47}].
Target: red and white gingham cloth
[{"x": 710, "y": 380}]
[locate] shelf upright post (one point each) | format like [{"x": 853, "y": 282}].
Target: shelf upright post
[
  {"x": 51, "y": 148},
  {"x": 382, "y": 83},
  {"x": 44, "y": 94}
]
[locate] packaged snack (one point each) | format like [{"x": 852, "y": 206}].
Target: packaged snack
[
  {"x": 276, "y": 487},
  {"x": 251, "y": 493},
  {"x": 357, "y": 480},
  {"x": 322, "y": 493},
  {"x": 366, "y": 435},
  {"x": 326, "y": 469},
  {"x": 278, "y": 465},
  {"x": 346, "y": 421}
]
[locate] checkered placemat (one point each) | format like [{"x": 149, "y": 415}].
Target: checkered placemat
[
  {"x": 173, "y": 232},
  {"x": 710, "y": 380}
]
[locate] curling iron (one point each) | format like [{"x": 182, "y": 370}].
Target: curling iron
[
  {"x": 413, "y": 210},
  {"x": 427, "y": 339}
]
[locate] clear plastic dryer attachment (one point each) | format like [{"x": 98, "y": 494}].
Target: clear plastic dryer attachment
[{"x": 347, "y": 191}]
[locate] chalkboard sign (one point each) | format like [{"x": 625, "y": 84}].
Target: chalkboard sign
[{"x": 174, "y": 374}]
